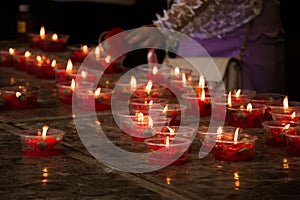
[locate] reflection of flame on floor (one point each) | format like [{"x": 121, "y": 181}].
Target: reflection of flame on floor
[
  {"x": 236, "y": 181},
  {"x": 45, "y": 176}
]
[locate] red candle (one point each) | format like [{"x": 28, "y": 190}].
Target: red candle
[
  {"x": 235, "y": 147},
  {"x": 149, "y": 90},
  {"x": 167, "y": 151},
  {"x": 139, "y": 126},
  {"x": 65, "y": 74},
  {"x": 21, "y": 59},
  {"x": 45, "y": 142},
  {"x": 79, "y": 52},
  {"x": 274, "y": 132},
  {"x": 144, "y": 105},
  {"x": 20, "y": 97},
  {"x": 55, "y": 43},
  {"x": 45, "y": 69},
  {"x": 173, "y": 111},
  {"x": 220, "y": 106},
  {"x": 208, "y": 136},
  {"x": 37, "y": 40},
  {"x": 99, "y": 100},
  {"x": 288, "y": 114},
  {"x": 293, "y": 142},
  {"x": 7, "y": 57},
  {"x": 197, "y": 104},
  {"x": 285, "y": 103},
  {"x": 65, "y": 91},
  {"x": 156, "y": 73},
  {"x": 245, "y": 115}
]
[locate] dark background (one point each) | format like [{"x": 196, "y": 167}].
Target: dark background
[{"x": 85, "y": 21}]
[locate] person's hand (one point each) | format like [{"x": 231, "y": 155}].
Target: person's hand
[{"x": 145, "y": 37}]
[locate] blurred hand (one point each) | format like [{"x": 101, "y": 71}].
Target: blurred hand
[{"x": 145, "y": 37}]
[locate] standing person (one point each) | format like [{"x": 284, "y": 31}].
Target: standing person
[{"x": 220, "y": 27}]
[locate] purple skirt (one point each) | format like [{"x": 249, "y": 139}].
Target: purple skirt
[{"x": 263, "y": 61}]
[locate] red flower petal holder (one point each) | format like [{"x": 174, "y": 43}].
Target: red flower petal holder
[{"x": 45, "y": 142}]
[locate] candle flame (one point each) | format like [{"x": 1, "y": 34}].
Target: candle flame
[
  {"x": 285, "y": 103},
  {"x": 167, "y": 142},
  {"x": 53, "y": 63},
  {"x": 27, "y": 54},
  {"x": 176, "y": 71},
  {"x": 39, "y": 59},
  {"x": 18, "y": 94},
  {"x": 69, "y": 66},
  {"x": 140, "y": 117},
  {"x": 183, "y": 80},
  {"x": 133, "y": 83},
  {"x": 11, "y": 51},
  {"x": 229, "y": 99},
  {"x": 201, "y": 81},
  {"x": 154, "y": 70},
  {"x": 293, "y": 115},
  {"x": 85, "y": 49},
  {"x": 97, "y": 92},
  {"x": 97, "y": 52},
  {"x": 42, "y": 33},
  {"x": 148, "y": 87},
  {"x": 54, "y": 37},
  {"x": 249, "y": 107},
  {"x": 107, "y": 59},
  {"x": 286, "y": 127},
  {"x": 202, "y": 98},
  {"x": 72, "y": 84},
  {"x": 44, "y": 132},
  {"x": 172, "y": 132},
  {"x": 237, "y": 94},
  {"x": 219, "y": 131},
  {"x": 83, "y": 74},
  {"x": 165, "y": 109},
  {"x": 150, "y": 122},
  {"x": 236, "y": 133},
  {"x": 150, "y": 102}
]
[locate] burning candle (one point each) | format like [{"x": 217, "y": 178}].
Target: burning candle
[
  {"x": 99, "y": 100},
  {"x": 173, "y": 111},
  {"x": 45, "y": 67},
  {"x": 144, "y": 105},
  {"x": 167, "y": 151},
  {"x": 20, "y": 97},
  {"x": 234, "y": 147},
  {"x": 66, "y": 74},
  {"x": 293, "y": 142},
  {"x": 45, "y": 142},
  {"x": 285, "y": 104},
  {"x": 287, "y": 114},
  {"x": 79, "y": 52},
  {"x": 197, "y": 104},
  {"x": 139, "y": 126},
  {"x": 37, "y": 40},
  {"x": 21, "y": 59},
  {"x": 7, "y": 57},
  {"x": 65, "y": 91},
  {"x": 149, "y": 90},
  {"x": 274, "y": 132},
  {"x": 245, "y": 115},
  {"x": 55, "y": 43},
  {"x": 209, "y": 135}
]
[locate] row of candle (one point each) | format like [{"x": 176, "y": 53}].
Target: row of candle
[{"x": 242, "y": 112}]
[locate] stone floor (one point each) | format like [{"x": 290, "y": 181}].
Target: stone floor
[{"x": 77, "y": 174}]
